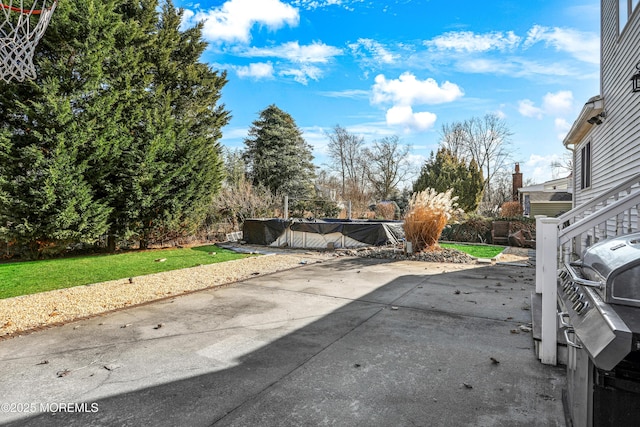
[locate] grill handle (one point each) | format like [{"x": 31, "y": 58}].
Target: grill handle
[
  {"x": 569, "y": 342},
  {"x": 579, "y": 280},
  {"x": 561, "y": 317}
]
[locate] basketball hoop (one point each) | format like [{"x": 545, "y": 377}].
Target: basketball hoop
[{"x": 22, "y": 24}]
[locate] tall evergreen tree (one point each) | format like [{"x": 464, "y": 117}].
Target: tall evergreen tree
[
  {"x": 183, "y": 159},
  {"x": 445, "y": 171},
  {"x": 118, "y": 152},
  {"x": 47, "y": 201},
  {"x": 277, "y": 156},
  {"x": 119, "y": 133}
]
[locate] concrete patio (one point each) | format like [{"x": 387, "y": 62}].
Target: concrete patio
[{"x": 348, "y": 342}]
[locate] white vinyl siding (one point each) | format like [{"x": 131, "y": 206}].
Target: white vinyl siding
[
  {"x": 615, "y": 144},
  {"x": 549, "y": 209}
]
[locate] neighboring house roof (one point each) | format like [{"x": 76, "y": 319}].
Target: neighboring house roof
[
  {"x": 555, "y": 190},
  {"x": 546, "y": 196}
]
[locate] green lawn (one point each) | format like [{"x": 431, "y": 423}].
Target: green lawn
[
  {"x": 478, "y": 251},
  {"x": 22, "y": 278}
]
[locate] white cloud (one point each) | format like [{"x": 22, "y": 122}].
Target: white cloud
[
  {"x": 316, "y": 52},
  {"x": 468, "y": 41},
  {"x": 405, "y": 117},
  {"x": 379, "y": 53},
  {"x": 516, "y": 66},
  {"x": 564, "y": 52},
  {"x": 558, "y": 103},
  {"x": 527, "y": 108},
  {"x": 317, "y": 4},
  {"x": 581, "y": 45},
  {"x": 300, "y": 62},
  {"x": 348, "y": 93},
  {"x": 234, "y": 20},
  {"x": 303, "y": 74},
  {"x": 562, "y": 127},
  {"x": 500, "y": 114},
  {"x": 258, "y": 70},
  {"x": 408, "y": 90},
  {"x": 187, "y": 19},
  {"x": 524, "y": 68},
  {"x": 316, "y": 136},
  {"x": 539, "y": 168},
  {"x": 416, "y": 161},
  {"x": 483, "y": 65}
]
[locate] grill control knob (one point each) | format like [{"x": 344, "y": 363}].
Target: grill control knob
[
  {"x": 584, "y": 308},
  {"x": 580, "y": 307}
]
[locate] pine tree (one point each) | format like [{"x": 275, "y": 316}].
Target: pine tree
[
  {"x": 47, "y": 201},
  {"x": 182, "y": 158},
  {"x": 120, "y": 119},
  {"x": 277, "y": 156},
  {"x": 445, "y": 171},
  {"x": 119, "y": 133}
]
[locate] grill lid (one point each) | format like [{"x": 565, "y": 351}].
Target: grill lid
[
  {"x": 615, "y": 263},
  {"x": 611, "y": 256}
]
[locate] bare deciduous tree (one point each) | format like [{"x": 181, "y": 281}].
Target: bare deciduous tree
[
  {"x": 345, "y": 150},
  {"x": 387, "y": 165},
  {"x": 486, "y": 140},
  {"x": 500, "y": 192},
  {"x": 452, "y": 137},
  {"x": 563, "y": 166}
]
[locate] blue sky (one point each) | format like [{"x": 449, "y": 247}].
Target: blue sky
[{"x": 380, "y": 68}]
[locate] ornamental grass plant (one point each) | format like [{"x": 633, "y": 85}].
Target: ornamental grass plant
[{"x": 427, "y": 215}]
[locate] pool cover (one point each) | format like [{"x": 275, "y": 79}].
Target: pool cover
[{"x": 372, "y": 233}]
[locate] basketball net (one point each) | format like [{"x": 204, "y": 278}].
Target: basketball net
[{"x": 22, "y": 24}]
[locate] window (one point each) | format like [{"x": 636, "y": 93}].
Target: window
[
  {"x": 625, "y": 9},
  {"x": 585, "y": 166}
]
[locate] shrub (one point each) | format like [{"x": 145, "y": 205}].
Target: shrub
[
  {"x": 511, "y": 210},
  {"x": 317, "y": 208},
  {"x": 428, "y": 214},
  {"x": 386, "y": 210},
  {"x": 474, "y": 229},
  {"x": 240, "y": 201}
]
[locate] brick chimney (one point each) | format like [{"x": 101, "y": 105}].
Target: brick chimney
[{"x": 517, "y": 183}]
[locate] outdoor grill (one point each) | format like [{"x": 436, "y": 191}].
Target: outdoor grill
[{"x": 599, "y": 300}]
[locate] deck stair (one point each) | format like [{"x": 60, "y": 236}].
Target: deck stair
[{"x": 563, "y": 239}]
